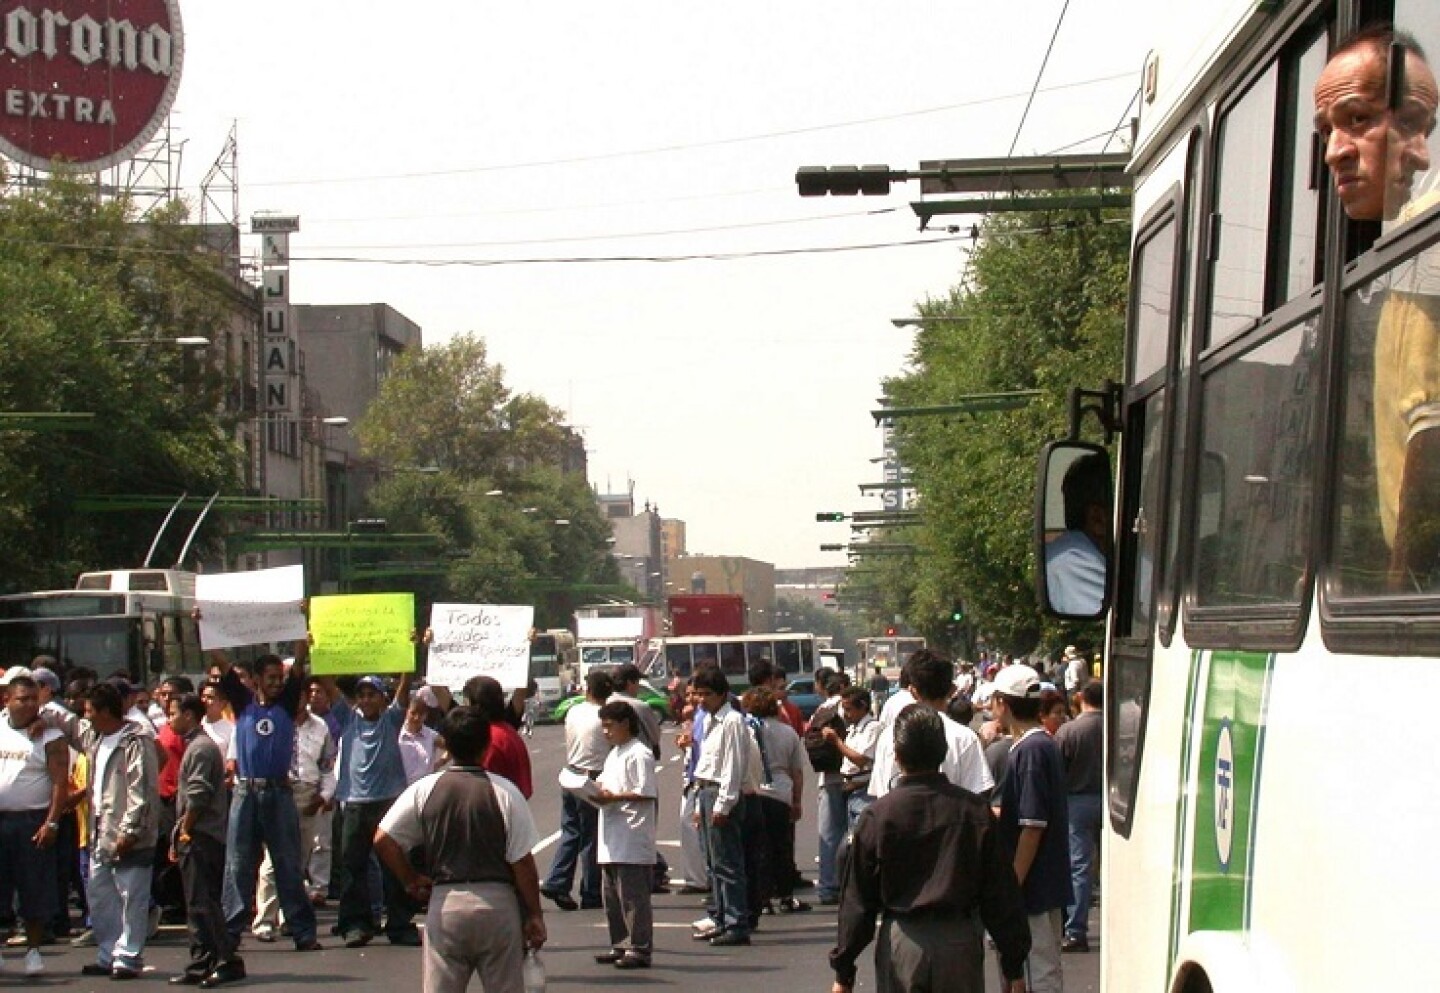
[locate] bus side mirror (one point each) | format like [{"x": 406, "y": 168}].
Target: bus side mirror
[{"x": 1074, "y": 531}]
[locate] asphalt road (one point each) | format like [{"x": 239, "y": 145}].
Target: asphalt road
[{"x": 788, "y": 953}]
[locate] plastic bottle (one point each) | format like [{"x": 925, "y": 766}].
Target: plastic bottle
[{"x": 534, "y": 972}]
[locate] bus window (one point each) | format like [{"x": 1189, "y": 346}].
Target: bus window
[
  {"x": 755, "y": 651},
  {"x": 622, "y": 654},
  {"x": 732, "y": 660},
  {"x": 1259, "y": 416},
  {"x": 1389, "y": 459},
  {"x": 1242, "y": 211},
  {"x": 677, "y": 660},
  {"x": 707, "y": 654},
  {"x": 787, "y": 656}
]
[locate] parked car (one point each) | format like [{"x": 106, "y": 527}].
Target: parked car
[
  {"x": 651, "y": 697},
  {"x": 802, "y": 694}
]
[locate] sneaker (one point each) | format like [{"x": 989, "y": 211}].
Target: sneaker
[
  {"x": 730, "y": 938},
  {"x": 1072, "y": 946},
  {"x": 264, "y": 932},
  {"x": 34, "y": 963},
  {"x": 790, "y": 905},
  {"x": 357, "y": 939},
  {"x": 17, "y": 940},
  {"x": 85, "y": 939}
]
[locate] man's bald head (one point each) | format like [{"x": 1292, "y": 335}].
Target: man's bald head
[{"x": 1375, "y": 149}]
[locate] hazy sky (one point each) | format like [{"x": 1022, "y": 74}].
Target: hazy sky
[{"x": 734, "y": 393}]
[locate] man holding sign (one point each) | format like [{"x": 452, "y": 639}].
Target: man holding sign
[
  {"x": 371, "y": 776},
  {"x": 262, "y": 811}
]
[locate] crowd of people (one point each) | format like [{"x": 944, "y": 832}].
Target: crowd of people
[
  {"x": 243, "y": 807},
  {"x": 221, "y": 808}
]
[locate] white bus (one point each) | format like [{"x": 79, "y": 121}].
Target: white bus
[
  {"x": 884, "y": 654},
  {"x": 135, "y": 622},
  {"x": 669, "y": 658},
  {"x": 1272, "y": 595},
  {"x": 552, "y": 664}
]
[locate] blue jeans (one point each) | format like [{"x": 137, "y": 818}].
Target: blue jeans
[
  {"x": 724, "y": 849},
  {"x": 855, "y": 804},
  {"x": 120, "y": 913},
  {"x": 833, "y": 826},
  {"x": 1086, "y": 810},
  {"x": 267, "y": 817},
  {"x": 579, "y": 828}
]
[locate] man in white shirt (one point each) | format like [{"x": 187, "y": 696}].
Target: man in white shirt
[
  {"x": 932, "y": 680},
  {"x": 628, "y": 795},
  {"x": 720, "y": 774},
  {"x": 34, "y": 772},
  {"x": 585, "y": 751},
  {"x": 220, "y": 728},
  {"x": 858, "y": 749}
]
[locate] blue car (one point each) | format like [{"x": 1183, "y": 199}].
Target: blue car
[{"x": 803, "y": 695}]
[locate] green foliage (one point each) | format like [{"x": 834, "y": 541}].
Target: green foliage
[
  {"x": 449, "y": 408},
  {"x": 1038, "y": 310},
  {"x": 78, "y": 275}
]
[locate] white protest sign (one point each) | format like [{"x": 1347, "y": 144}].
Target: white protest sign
[
  {"x": 479, "y": 640},
  {"x": 250, "y": 608}
]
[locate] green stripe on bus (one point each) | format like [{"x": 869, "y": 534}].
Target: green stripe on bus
[
  {"x": 1182, "y": 818},
  {"x": 1227, "y": 789}
]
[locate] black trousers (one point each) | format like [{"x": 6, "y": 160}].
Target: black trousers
[
  {"x": 166, "y": 887},
  {"x": 357, "y": 841},
  {"x": 202, "y": 877}
]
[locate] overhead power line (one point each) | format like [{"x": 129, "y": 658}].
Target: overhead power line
[{"x": 682, "y": 147}]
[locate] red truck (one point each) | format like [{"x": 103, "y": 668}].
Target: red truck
[{"x": 706, "y": 613}]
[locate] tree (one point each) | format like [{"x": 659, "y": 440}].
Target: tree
[
  {"x": 1042, "y": 308},
  {"x": 81, "y": 281},
  {"x": 512, "y": 527}
]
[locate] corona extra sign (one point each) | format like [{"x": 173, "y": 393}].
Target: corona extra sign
[{"x": 85, "y": 83}]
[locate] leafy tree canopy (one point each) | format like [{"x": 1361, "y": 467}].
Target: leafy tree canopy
[
  {"x": 1040, "y": 308},
  {"x": 82, "y": 281},
  {"x": 513, "y": 527}
]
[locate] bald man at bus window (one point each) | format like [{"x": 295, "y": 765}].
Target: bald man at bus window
[{"x": 1375, "y": 145}]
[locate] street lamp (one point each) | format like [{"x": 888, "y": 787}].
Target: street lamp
[
  {"x": 920, "y": 322},
  {"x": 184, "y": 341}
]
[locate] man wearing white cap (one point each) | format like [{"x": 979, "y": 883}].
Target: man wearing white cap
[{"x": 1033, "y": 821}]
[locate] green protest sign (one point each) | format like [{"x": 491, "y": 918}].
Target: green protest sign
[{"x": 362, "y": 633}]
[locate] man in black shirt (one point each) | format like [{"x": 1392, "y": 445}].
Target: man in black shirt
[{"x": 931, "y": 910}]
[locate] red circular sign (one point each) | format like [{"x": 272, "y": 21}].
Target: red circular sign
[{"x": 85, "y": 83}]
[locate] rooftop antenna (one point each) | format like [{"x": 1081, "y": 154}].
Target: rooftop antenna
[
  {"x": 154, "y": 544},
  {"x": 185, "y": 549}
]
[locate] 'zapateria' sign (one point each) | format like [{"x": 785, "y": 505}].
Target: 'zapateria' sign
[{"x": 85, "y": 82}]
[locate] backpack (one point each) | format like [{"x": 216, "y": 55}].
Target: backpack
[{"x": 823, "y": 755}]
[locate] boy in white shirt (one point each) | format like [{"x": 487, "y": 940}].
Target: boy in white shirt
[{"x": 627, "y": 838}]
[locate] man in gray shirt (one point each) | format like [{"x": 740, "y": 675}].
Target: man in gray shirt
[
  {"x": 201, "y": 815},
  {"x": 1082, "y": 746}
]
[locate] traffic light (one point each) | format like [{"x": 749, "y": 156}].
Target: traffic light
[
  {"x": 957, "y": 613},
  {"x": 834, "y": 515},
  {"x": 845, "y": 181},
  {"x": 891, "y": 631}
]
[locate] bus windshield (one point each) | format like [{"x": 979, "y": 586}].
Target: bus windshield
[{"x": 104, "y": 644}]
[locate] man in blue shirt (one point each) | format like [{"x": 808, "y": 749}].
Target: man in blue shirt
[
  {"x": 370, "y": 776},
  {"x": 262, "y": 810}
]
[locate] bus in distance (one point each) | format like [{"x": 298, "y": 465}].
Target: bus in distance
[
  {"x": 132, "y": 622},
  {"x": 552, "y": 664}
]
